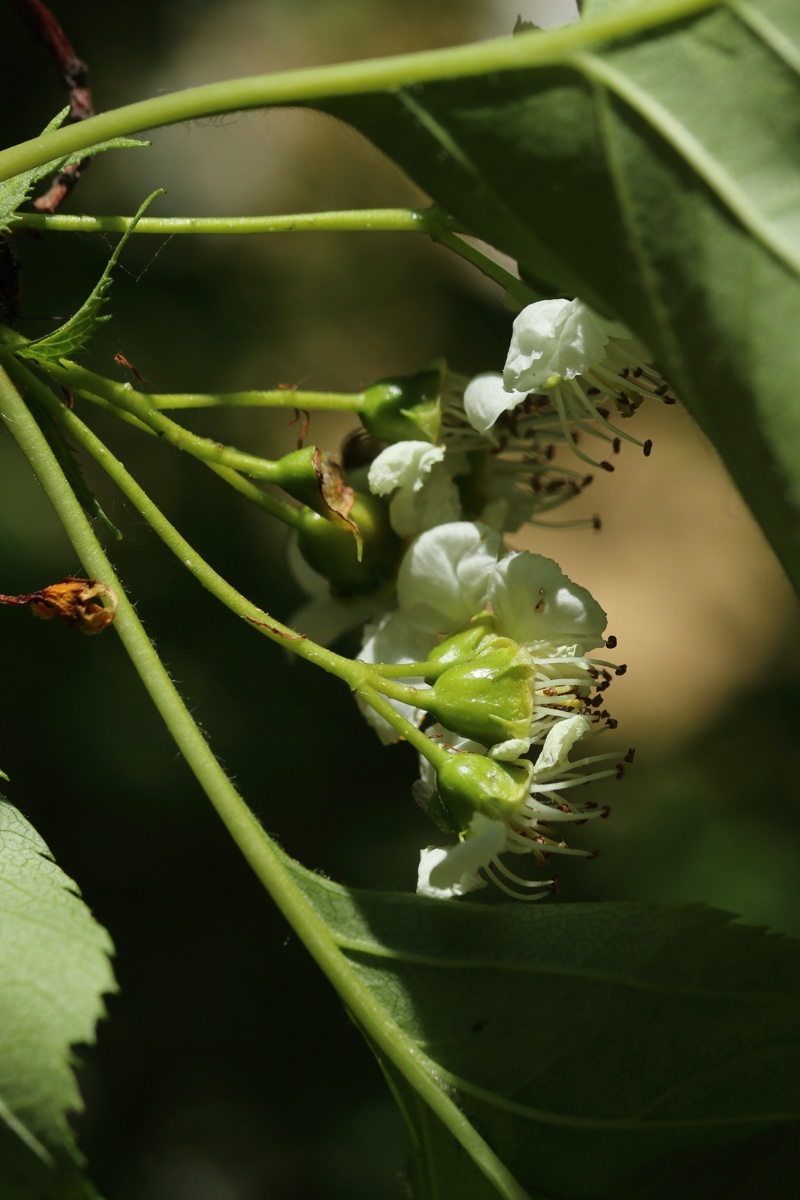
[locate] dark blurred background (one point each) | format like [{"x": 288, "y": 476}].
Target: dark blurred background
[{"x": 228, "y": 1070}]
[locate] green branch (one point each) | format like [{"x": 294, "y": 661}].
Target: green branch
[
  {"x": 365, "y": 679},
  {"x": 488, "y": 267},
  {"x": 347, "y": 79},
  {"x": 430, "y": 220},
  {"x": 288, "y": 397},
  {"x": 258, "y": 849},
  {"x": 138, "y": 404}
]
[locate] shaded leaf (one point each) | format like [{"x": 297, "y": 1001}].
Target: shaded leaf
[
  {"x": 648, "y": 160},
  {"x": 54, "y": 970},
  {"x": 588, "y": 1044}
]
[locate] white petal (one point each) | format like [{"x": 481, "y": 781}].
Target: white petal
[
  {"x": 405, "y": 464},
  {"x": 485, "y": 399},
  {"x": 412, "y": 510},
  {"x": 556, "y": 339},
  {"x": 445, "y": 575},
  {"x": 508, "y": 751},
  {"x": 554, "y": 754},
  {"x": 326, "y": 618},
  {"x": 537, "y": 605},
  {"x": 444, "y": 873}
]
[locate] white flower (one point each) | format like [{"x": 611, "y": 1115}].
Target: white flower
[
  {"x": 424, "y": 492},
  {"x": 454, "y": 572},
  {"x": 564, "y": 364},
  {"x": 485, "y": 398},
  {"x": 451, "y": 871},
  {"x": 554, "y": 340}
]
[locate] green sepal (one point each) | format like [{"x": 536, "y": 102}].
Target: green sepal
[
  {"x": 489, "y": 698},
  {"x": 333, "y": 553},
  {"x": 474, "y": 783},
  {"x": 405, "y": 408}
]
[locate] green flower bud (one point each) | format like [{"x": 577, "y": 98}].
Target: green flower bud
[
  {"x": 334, "y": 553},
  {"x": 316, "y": 480},
  {"x": 405, "y": 408},
  {"x": 474, "y": 783},
  {"x": 488, "y": 698}
]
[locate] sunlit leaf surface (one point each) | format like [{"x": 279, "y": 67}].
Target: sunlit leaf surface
[{"x": 54, "y": 969}]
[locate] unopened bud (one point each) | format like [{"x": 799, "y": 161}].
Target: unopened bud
[
  {"x": 333, "y": 553},
  {"x": 474, "y": 783},
  {"x": 405, "y": 407},
  {"x": 316, "y": 480},
  {"x": 489, "y": 698},
  {"x": 461, "y": 646}
]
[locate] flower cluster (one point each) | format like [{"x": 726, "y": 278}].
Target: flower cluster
[
  {"x": 566, "y": 368},
  {"x": 493, "y": 646},
  {"x": 502, "y": 639}
]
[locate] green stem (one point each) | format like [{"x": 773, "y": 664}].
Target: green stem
[
  {"x": 363, "y": 678},
  {"x": 488, "y": 267},
  {"x": 435, "y": 753},
  {"x": 556, "y": 46},
  {"x": 260, "y": 852},
  {"x": 288, "y": 397},
  {"x": 138, "y": 404},
  {"x": 430, "y": 220}
]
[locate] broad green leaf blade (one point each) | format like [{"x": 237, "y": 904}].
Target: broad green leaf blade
[
  {"x": 656, "y": 173},
  {"x": 54, "y": 968},
  {"x": 589, "y": 1044},
  {"x": 70, "y": 338}
]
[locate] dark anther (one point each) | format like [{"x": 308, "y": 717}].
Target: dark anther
[
  {"x": 647, "y": 447},
  {"x": 606, "y": 466},
  {"x": 621, "y": 669},
  {"x": 611, "y": 642},
  {"x": 630, "y": 754}
]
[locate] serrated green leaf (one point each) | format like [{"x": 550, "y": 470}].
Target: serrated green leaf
[
  {"x": 70, "y": 338},
  {"x": 54, "y": 970},
  {"x": 648, "y": 160},
  {"x": 588, "y": 1044},
  {"x": 15, "y": 191}
]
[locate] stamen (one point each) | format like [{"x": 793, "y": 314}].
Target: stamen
[{"x": 509, "y": 892}]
